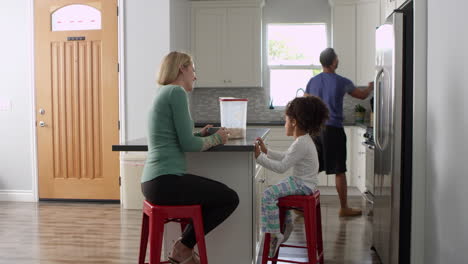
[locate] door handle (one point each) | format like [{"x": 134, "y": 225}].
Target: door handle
[
  {"x": 42, "y": 124},
  {"x": 377, "y": 108}
]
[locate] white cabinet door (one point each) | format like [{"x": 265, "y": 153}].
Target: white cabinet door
[
  {"x": 359, "y": 159},
  {"x": 243, "y": 49},
  {"x": 344, "y": 39},
  {"x": 399, "y": 3},
  {"x": 226, "y": 45},
  {"x": 274, "y": 177},
  {"x": 369, "y": 167},
  {"x": 260, "y": 185},
  {"x": 323, "y": 179},
  {"x": 367, "y": 20},
  {"x": 208, "y": 45},
  {"x": 388, "y": 7},
  {"x": 331, "y": 181}
]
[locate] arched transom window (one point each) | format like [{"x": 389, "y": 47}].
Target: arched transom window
[{"x": 76, "y": 17}]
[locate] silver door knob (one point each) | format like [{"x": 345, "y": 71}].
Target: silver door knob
[
  {"x": 41, "y": 111},
  {"x": 42, "y": 124}
]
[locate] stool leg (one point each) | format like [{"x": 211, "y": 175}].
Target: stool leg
[
  {"x": 143, "y": 239},
  {"x": 282, "y": 216},
  {"x": 319, "y": 233},
  {"x": 156, "y": 239},
  {"x": 266, "y": 248},
  {"x": 311, "y": 227},
  {"x": 200, "y": 236},
  {"x": 275, "y": 258}
]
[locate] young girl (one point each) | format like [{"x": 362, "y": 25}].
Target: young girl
[{"x": 305, "y": 116}]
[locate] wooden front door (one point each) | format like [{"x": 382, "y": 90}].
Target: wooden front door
[{"x": 76, "y": 62}]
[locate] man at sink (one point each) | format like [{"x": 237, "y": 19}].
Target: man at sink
[{"x": 331, "y": 144}]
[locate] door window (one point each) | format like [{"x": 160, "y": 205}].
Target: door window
[{"x": 76, "y": 17}]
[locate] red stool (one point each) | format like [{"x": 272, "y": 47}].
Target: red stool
[
  {"x": 154, "y": 218},
  {"x": 310, "y": 205}
]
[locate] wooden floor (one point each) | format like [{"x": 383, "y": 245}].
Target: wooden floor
[{"x": 51, "y": 232}]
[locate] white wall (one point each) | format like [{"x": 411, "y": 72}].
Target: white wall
[
  {"x": 180, "y": 25},
  {"x": 16, "y": 74},
  {"x": 147, "y": 41},
  {"x": 447, "y": 129},
  {"x": 418, "y": 218},
  {"x": 147, "y": 38}
]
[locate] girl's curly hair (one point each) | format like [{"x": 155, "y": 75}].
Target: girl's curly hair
[{"x": 310, "y": 113}]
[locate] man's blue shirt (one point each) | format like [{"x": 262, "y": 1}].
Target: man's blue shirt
[{"x": 331, "y": 88}]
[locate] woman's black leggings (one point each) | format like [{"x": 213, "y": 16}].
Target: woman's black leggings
[{"x": 216, "y": 199}]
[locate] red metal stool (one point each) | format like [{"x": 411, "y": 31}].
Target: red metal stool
[
  {"x": 310, "y": 206},
  {"x": 154, "y": 218}
]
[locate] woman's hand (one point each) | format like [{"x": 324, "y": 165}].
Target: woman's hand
[
  {"x": 204, "y": 130},
  {"x": 263, "y": 148},
  {"x": 223, "y": 132}
]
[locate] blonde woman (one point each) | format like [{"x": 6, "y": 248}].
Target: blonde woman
[{"x": 165, "y": 180}]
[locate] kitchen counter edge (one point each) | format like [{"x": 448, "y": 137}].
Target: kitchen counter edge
[{"x": 233, "y": 145}]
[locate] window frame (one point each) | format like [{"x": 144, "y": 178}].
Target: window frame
[{"x": 269, "y": 67}]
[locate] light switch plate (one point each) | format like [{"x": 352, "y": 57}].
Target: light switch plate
[{"x": 5, "y": 105}]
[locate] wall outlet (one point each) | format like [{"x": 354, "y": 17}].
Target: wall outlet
[{"x": 5, "y": 105}]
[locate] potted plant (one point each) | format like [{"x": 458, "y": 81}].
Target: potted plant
[{"x": 359, "y": 113}]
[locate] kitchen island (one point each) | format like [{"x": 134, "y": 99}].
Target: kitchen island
[{"x": 234, "y": 241}]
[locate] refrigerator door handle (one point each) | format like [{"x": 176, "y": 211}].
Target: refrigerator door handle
[{"x": 377, "y": 108}]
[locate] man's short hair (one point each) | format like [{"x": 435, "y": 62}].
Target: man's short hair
[{"x": 327, "y": 56}]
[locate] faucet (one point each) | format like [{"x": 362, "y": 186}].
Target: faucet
[{"x": 300, "y": 89}]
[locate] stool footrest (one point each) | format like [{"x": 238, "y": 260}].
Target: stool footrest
[
  {"x": 292, "y": 246},
  {"x": 178, "y": 220},
  {"x": 287, "y": 261}
]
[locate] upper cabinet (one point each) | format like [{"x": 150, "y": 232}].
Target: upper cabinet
[
  {"x": 387, "y": 6},
  {"x": 367, "y": 20},
  {"x": 399, "y": 3},
  {"x": 226, "y": 43},
  {"x": 354, "y": 24},
  {"x": 344, "y": 38}
]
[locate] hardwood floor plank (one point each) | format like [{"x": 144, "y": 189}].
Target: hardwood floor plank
[{"x": 70, "y": 233}]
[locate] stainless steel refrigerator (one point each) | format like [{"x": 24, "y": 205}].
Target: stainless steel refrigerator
[{"x": 393, "y": 137}]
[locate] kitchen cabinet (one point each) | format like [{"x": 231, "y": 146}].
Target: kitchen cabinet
[
  {"x": 388, "y": 6},
  {"x": 356, "y": 162},
  {"x": 226, "y": 43},
  {"x": 232, "y": 164},
  {"x": 354, "y": 24},
  {"x": 367, "y": 20},
  {"x": 399, "y": 3},
  {"x": 260, "y": 185},
  {"x": 331, "y": 178},
  {"x": 344, "y": 38},
  {"x": 277, "y": 140},
  {"x": 359, "y": 159}
]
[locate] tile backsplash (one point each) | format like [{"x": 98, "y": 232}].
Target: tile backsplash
[{"x": 204, "y": 105}]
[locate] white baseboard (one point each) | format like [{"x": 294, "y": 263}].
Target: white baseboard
[{"x": 17, "y": 195}]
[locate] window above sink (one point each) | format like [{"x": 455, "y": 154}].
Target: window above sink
[{"x": 293, "y": 57}]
